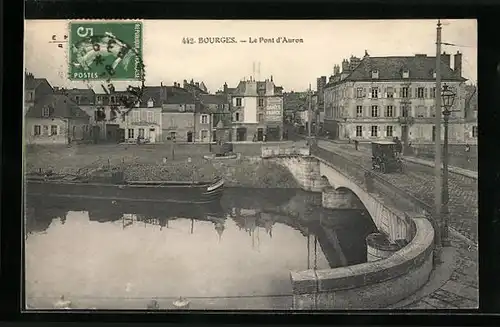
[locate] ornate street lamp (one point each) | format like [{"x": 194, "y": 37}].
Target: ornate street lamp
[{"x": 448, "y": 98}]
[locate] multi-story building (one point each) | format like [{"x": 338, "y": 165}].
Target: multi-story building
[
  {"x": 320, "y": 98},
  {"x": 382, "y": 97},
  {"x": 257, "y": 110},
  {"x": 34, "y": 88},
  {"x": 51, "y": 117}
]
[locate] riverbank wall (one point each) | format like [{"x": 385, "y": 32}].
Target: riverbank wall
[{"x": 158, "y": 162}]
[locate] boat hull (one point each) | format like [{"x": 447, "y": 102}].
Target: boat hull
[{"x": 144, "y": 192}]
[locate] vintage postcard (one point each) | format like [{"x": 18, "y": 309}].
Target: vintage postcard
[{"x": 235, "y": 165}]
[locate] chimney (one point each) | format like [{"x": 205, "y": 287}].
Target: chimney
[
  {"x": 197, "y": 84},
  {"x": 161, "y": 83},
  {"x": 345, "y": 65},
  {"x": 185, "y": 84},
  {"x": 271, "y": 78},
  {"x": 446, "y": 58},
  {"x": 336, "y": 70},
  {"x": 458, "y": 63},
  {"x": 225, "y": 87},
  {"x": 330, "y": 79}
]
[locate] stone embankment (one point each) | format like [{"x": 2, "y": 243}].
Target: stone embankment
[{"x": 246, "y": 171}]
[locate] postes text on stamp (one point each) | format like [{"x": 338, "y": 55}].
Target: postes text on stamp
[{"x": 105, "y": 51}]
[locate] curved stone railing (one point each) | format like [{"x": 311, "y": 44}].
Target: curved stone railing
[
  {"x": 376, "y": 284},
  {"x": 287, "y": 150}
]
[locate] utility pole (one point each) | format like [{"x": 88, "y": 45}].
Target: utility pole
[
  {"x": 309, "y": 113},
  {"x": 438, "y": 162}
]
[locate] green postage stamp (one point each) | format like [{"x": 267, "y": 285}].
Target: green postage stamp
[{"x": 105, "y": 50}]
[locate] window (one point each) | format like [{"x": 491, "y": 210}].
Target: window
[
  {"x": 389, "y": 111},
  {"x": 53, "y": 130},
  {"x": 404, "y": 92},
  {"x": 37, "y": 130},
  {"x": 261, "y": 102},
  {"x": 46, "y": 112},
  {"x": 359, "y": 92},
  {"x": 433, "y": 92},
  {"x": 99, "y": 99},
  {"x": 374, "y": 131},
  {"x": 420, "y": 92},
  {"x": 130, "y": 133},
  {"x": 390, "y": 92},
  {"x": 388, "y": 131},
  {"x": 374, "y": 111},
  {"x": 135, "y": 116},
  {"x": 474, "y": 131},
  {"x": 238, "y": 102},
  {"x": 261, "y": 117},
  {"x": 141, "y": 133},
  {"x": 406, "y": 73},
  {"x": 30, "y": 96},
  {"x": 433, "y": 133},
  {"x": 359, "y": 131},
  {"x": 204, "y": 119},
  {"x": 432, "y": 111},
  {"x": 237, "y": 116},
  {"x": 375, "y": 92},
  {"x": 420, "y": 111},
  {"x": 374, "y": 73},
  {"x": 204, "y": 134},
  {"x": 405, "y": 111},
  {"x": 45, "y": 130},
  {"x": 359, "y": 111},
  {"x": 77, "y": 99},
  {"x": 150, "y": 116},
  {"x": 112, "y": 99}
]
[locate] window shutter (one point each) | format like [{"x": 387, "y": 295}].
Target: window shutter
[
  {"x": 369, "y": 93},
  {"x": 426, "y": 93},
  {"x": 201, "y": 120},
  {"x": 409, "y": 92},
  {"x": 364, "y": 92}
]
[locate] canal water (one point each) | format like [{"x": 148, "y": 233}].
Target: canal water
[{"x": 236, "y": 255}]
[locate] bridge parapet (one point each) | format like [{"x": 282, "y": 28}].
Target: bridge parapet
[{"x": 272, "y": 151}]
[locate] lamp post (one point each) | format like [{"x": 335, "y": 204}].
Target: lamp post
[
  {"x": 448, "y": 98},
  {"x": 438, "y": 183}
]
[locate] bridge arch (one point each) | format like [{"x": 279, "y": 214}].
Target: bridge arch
[{"x": 390, "y": 222}]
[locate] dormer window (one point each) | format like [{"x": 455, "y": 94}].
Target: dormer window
[
  {"x": 374, "y": 73},
  {"x": 150, "y": 103},
  {"x": 46, "y": 112},
  {"x": 406, "y": 73}
]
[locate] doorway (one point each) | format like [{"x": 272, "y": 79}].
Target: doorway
[
  {"x": 190, "y": 136},
  {"x": 260, "y": 134},
  {"x": 241, "y": 134},
  {"x": 152, "y": 135}
]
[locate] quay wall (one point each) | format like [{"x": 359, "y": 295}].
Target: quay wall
[{"x": 371, "y": 285}]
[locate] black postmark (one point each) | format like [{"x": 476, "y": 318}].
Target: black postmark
[{"x": 125, "y": 101}]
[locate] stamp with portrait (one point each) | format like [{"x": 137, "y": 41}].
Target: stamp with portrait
[{"x": 105, "y": 50}]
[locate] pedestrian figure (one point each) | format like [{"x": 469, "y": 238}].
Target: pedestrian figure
[
  {"x": 138, "y": 140},
  {"x": 467, "y": 152},
  {"x": 356, "y": 143},
  {"x": 264, "y": 137},
  {"x": 254, "y": 138}
]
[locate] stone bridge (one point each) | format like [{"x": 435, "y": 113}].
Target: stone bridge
[{"x": 399, "y": 256}]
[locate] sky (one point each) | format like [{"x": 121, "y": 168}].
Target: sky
[{"x": 294, "y": 65}]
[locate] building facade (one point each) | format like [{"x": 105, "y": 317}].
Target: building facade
[
  {"x": 377, "y": 98},
  {"x": 55, "y": 119},
  {"x": 257, "y": 110}
]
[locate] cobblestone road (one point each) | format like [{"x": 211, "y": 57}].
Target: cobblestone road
[
  {"x": 460, "y": 287},
  {"x": 418, "y": 180}
]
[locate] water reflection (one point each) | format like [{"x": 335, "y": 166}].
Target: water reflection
[{"x": 246, "y": 245}]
